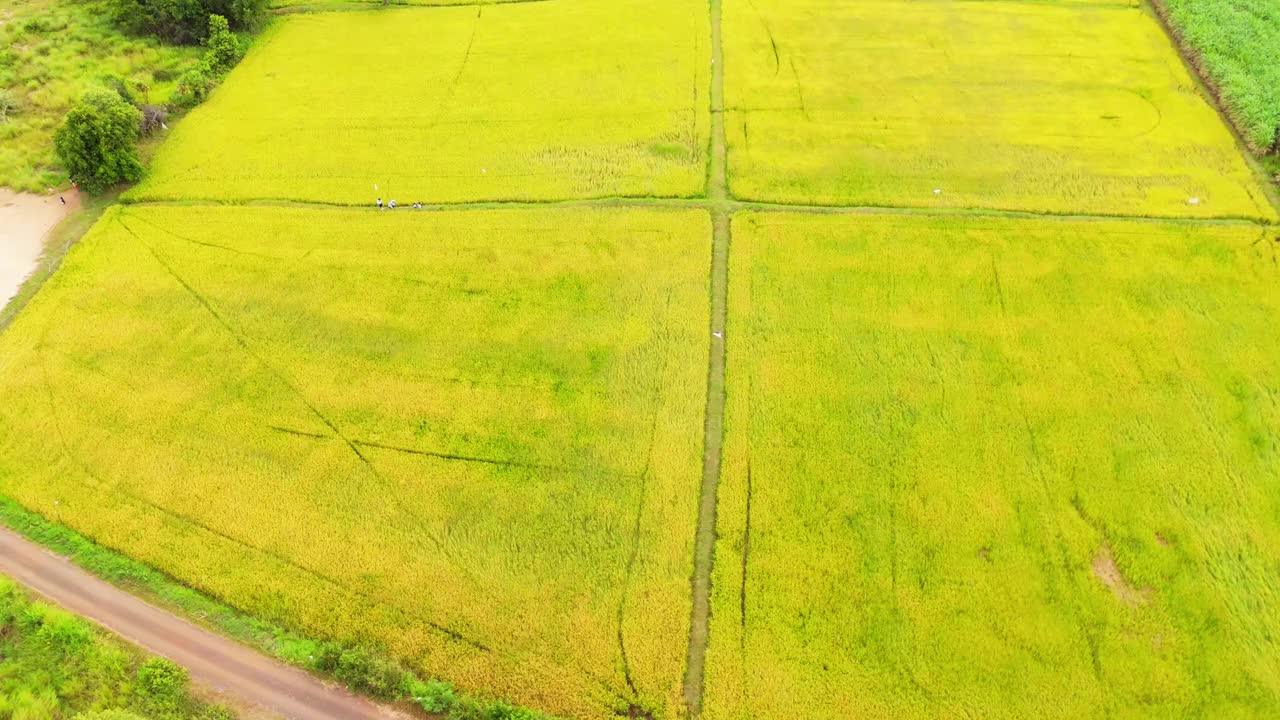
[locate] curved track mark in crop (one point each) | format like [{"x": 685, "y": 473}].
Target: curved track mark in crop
[
  {"x": 282, "y": 377},
  {"x": 635, "y": 710}
]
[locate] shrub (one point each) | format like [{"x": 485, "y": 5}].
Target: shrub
[
  {"x": 161, "y": 683},
  {"x": 120, "y": 86},
  {"x": 96, "y": 141},
  {"x": 63, "y": 633},
  {"x": 194, "y": 86},
  {"x": 8, "y": 104},
  {"x": 223, "y": 48},
  {"x": 362, "y": 670},
  {"x": 435, "y": 696}
]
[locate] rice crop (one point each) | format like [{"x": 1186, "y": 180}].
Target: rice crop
[
  {"x": 470, "y": 438},
  {"x": 1060, "y": 108},
  {"x": 1236, "y": 44},
  {"x": 998, "y": 468},
  {"x": 425, "y": 104}
]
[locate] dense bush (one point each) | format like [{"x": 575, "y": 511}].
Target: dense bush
[
  {"x": 221, "y": 53},
  {"x": 161, "y": 685},
  {"x": 194, "y": 86},
  {"x": 1236, "y": 44},
  {"x": 8, "y": 104},
  {"x": 185, "y": 21},
  {"x": 222, "y": 47},
  {"x": 362, "y": 670},
  {"x": 96, "y": 141}
]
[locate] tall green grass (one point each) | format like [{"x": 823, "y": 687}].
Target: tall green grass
[
  {"x": 55, "y": 665},
  {"x": 1236, "y": 43},
  {"x": 50, "y": 52}
]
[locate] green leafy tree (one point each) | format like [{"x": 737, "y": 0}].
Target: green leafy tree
[
  {"x": 222, "y": 47},
  {"x": 184, "y": 21},
  {"x": 96, "y": 141}
]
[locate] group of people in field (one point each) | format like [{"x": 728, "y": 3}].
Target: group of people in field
[{"x": 392, "y": 205}]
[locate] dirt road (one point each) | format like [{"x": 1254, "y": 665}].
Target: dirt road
[
  {"x": 25, "y": 220},
  {"x": 213, "y": 660}
]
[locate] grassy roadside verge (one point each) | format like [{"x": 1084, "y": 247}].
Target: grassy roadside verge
[
  {"x": 362, "y": 669},
  {"x": 57, "y": 664}
]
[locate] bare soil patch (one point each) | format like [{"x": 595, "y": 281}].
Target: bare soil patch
[
  {"x": 1106, "y": 570},
  {"x": 25, "y": 222}
]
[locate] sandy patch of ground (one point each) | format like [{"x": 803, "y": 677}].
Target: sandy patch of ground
[
  {"x": 1104, "y": 566},
  {"x": 25, "y": 221}
]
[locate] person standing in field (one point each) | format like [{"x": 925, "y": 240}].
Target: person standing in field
[{"x": 379, "y": 203}]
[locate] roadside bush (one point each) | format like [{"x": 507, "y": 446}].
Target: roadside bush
[
  {"x": 362, "y": 670},
  {"x": 184, "y": 22},
  {"x": 161, "y": 684},
  {"x": 64, "y": 634},
  {"x": 435, "y": 696},
  {"x": 96, "y": 141}
]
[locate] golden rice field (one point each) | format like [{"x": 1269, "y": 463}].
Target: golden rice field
[
  {"x": 1049, "y": 107},
  {"x": 467, "y": 436},
  {"x": 610, "y": 99},
  {"x": 973, "y": 465},
  {"x": 999, "y": 468}
]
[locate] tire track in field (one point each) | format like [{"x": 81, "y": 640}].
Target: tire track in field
[
  {"x": 1090, "y": 634},
  {"x": 722, "y": 209},
  {"x": 635, "y": 709},
  {"x": 353, "y": 444},
  {"x": 104, "y": 485},
  {"x": 282, "y": 377}
]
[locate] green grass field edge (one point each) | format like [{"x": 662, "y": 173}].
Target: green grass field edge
[
  {"x": 1257, "y": 162},
  {"x": 272, "y": 639}
]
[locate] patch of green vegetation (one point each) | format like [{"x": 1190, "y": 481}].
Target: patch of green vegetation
[
  {"x": 1236, "y": 44},
  {"x": 51, "y": 51},
  {"x": 54, "y": 665}
]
